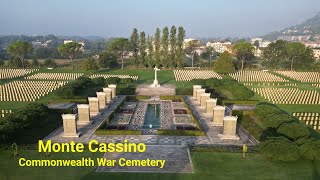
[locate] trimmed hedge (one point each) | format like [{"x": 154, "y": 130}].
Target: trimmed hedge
[
  {"x": 118, "y": 132},
  {"x": 78, "y": 101},
  {"x": 222, "y": 148},
  {"x": 171, "y": 97},
  {"x": 184, "y": 91},
  {"x": 230, "y": 102},
  {"x": 180, "y": 132}
]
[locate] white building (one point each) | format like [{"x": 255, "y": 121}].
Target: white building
[
  {"x": 316, "y": 53},
  {"x": 69, "y": 41},
  {"x": 219, "y": 46}
]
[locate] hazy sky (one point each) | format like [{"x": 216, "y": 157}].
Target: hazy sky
[{"x": 200, "y": 18}]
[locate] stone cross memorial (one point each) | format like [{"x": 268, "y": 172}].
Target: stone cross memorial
[{"x": 155, "y": 81}]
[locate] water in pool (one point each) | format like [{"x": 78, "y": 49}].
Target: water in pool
[{"x": 152, "y": 117}]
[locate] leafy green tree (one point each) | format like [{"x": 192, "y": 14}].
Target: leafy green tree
[
  {"x": 71, "y": 50},
  {"x": 209, "y": 53},
  {"x": 17, "y": 62},
  {"x": 225, "y": 64},
  {"x": 244, "y": 52},
  {"x": 280, "y": 149},
  {"x": 35, "y": 63},
  {"x": 180, "y": 55},
  {"x": 119, "y": 46},
  {"x": 134, "y": 46},
  {"x": 142, "y": 48},
  {"x": 89, "y": 64},
  {"x": 1, "y": 63},
  {"x": 107, "y": 60},
  {"x": 165, "y": 47},
  {"x": 275, "y": 54},
  {"x": 157, "y": 47},
  {"x": 173, "y": 40},
  {"x": 296, "y": 52},
  {"x": 191, "y": 50},
  {"x": 49, "y": 63},
  {"x": 20, "y": 50},
  {"x": 150, "y": 52}
]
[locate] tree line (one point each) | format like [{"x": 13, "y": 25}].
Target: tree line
[{"x": 164, "y": 49}]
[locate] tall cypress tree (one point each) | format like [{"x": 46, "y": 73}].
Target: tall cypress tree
[
  {"x": 134, "y": 43},
  {"x": 150, "y": 52},
  {"x": 157, "y": 47},
  {"x": 142, "y": 48},
  {"x": 180, "y": 55},
  {"x": 173, "y": 32},
  {"x": 165, "y": 46}
]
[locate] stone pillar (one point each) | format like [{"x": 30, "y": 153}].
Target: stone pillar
[
  {"x": 211, "y": 103},
  {"x": 108, "y": 92},
  {"x": 195, "y": 88},
  {"x": 199, "y": 92},
  {"x": 113, "y": 88},
  {"x": 69, "y": 125},
  {"x": 203, "y": 100},
  {"x": 229, "y": 128},
  {"x": 102, "y": 99},
  {"x": 83, "y": 114},
  {"x": 218, "y": 115},
  {"x": 94, "y": 106}
]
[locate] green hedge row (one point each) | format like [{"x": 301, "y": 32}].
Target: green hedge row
[
  {"x": 118, "y": 132},
  {"x": 171, "y": 97},
  {"x": 180, "y": 132},
  {"x": 221, "y": 148},
  {"x": 134, "y": 98},
  {"x": 78, "y": 101},
  {"x": 249, "y": 102},
  {"x": 184, "y": 91}
]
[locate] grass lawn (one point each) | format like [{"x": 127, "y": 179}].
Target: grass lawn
[{"x": 207, "y": 165}]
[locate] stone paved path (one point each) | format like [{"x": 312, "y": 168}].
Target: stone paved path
[{"x": 181, "y": 163}]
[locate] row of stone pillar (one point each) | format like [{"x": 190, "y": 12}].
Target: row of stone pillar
[
  {"x": 85, "y": 111},
  {"x": 229, "y": 123}
]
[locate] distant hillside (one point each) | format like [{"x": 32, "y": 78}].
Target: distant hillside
[{"x": 308, "y": 29}]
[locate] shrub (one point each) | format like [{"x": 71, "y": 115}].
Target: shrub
[
  {"x": 198, "y": 81},
  {"x": 280, "y": 149},
  {"x": 293, "y": 130},
  {"x": 184, "y": 91},
  {"x": 99, "y": 81},
  {"x": 112, "y": 80},
  {"x": 213, "y": 82},
  {"x": 275, "y": 120},
  {"x": 310, "y": 149},
  {"x": 126, "y": 81}
]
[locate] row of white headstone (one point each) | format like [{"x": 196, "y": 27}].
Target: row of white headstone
[
  {"x": 289, "y": 95},
  {"x": 302, "y": 76},
  {"x": 188, "y": 75},
  {"x": 256, "y": 76},
  {"x": 55, "y": 76},
  {"x": 229, "y": 123},
  {"x": 13, "y": 73},
  {"x": 86, "y": 111}
]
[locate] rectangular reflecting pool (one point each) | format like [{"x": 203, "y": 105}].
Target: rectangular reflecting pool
[{"x": 152, "y": 118}]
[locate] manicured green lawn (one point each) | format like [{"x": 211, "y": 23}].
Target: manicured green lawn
[{"x": 207, "y": 165}]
